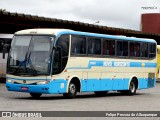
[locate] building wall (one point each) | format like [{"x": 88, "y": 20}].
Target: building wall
[{"x": 150, "y": 23}]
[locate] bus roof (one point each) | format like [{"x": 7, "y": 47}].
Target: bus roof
[
  {"x": 43, "y": 31},
  {"x": 59, "y": 32},
  {"x": 6, "y": 35}
]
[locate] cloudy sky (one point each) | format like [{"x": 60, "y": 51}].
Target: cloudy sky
[{"x": 113, "y": 13}]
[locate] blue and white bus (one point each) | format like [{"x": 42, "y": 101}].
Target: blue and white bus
[{"x": 49, "y": 61}]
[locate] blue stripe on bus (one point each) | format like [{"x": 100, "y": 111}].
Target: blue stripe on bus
[
  {"x": 58, "y": 86},
  {"x": 107, "y": 84},
  {"x": 93, "y": 63},
  {"x": 89, "y": 85}
]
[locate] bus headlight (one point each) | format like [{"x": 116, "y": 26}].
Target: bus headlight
[
  {"x": 42, "y": 82},
  {"x": 8, "y": 80}
]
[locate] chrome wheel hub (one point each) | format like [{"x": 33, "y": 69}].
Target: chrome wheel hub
[
  {"x": 132, "y": 87},
  {"x": 72, "y": 88}
]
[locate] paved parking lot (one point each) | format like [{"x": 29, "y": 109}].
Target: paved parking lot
[
  {"x": 145, "y": 100},
  {"x": 148, "y": 100}
]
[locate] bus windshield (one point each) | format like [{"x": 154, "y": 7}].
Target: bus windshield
[{"x": 30, "y": 55}]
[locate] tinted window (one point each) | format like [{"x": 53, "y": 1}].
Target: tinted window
[
  {"x": 78, "y": 45},
  {"x": 94, "y": 46},
  {"x": 63, "y": 42},
  {"x": 61, "y": 54},
  {"x": 152, "y": 50},
  {"x": 122, "y": 48},
  {"x": 135, "y": 49},
  {"x": 108, "y": 47},
  {"x": 144, "y": 50}
]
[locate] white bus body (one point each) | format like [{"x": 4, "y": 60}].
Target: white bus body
[{"x": 66, "y": 61}]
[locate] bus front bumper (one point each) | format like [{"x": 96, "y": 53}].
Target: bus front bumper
[{"x": 52, "y": 87}]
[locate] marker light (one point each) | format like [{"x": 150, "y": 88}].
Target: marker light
[{"x": 8, "y": 80}]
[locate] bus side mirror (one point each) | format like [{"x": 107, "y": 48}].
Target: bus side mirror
[{"x": 5, "y": 47}]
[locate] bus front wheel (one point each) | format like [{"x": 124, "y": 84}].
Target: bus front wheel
[
  {"x": 35, "y": 95},
  {"x": 72, "y": 91}
]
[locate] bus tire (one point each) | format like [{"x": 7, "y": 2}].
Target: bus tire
[
  {"x": 132, "y": 88},
  {"x": 101, "y": 93},
  {"x": 72, "y": 91},
  {"x": 35, "y": 95}
]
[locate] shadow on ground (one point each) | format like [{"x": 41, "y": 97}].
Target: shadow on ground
[{"x": 79, "y": 96}]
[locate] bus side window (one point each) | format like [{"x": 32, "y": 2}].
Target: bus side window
[
  {"x": 94, "y": 46},
  {"x": 109, "y": 47},
  {"x": 135, "y": 49},
  {"x": 119, "y": 48},
  {"x": 105, "y": 47},
  {"x": 125, "y": 48},
  {"x": 131, "y": 49},
  {"x": 122, "y": 48},
  {"x": 61, "y": 55},
  {"x": 144, "y": 50},
  {"x": 152, "y": 50},
  {"x": 78, "y": 45},
  {"x": 112, "y": 47}
]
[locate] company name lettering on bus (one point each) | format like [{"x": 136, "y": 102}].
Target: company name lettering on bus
[
  {"x": 108, "y": 64},
  {"x": 116, "y": 64},
  {"x": 121, "y": 64}
]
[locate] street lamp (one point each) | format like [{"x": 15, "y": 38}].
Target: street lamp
[{"x": 96, "y": 22}]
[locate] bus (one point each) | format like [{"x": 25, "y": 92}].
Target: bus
[
  {"x": 5, "y": 39},
  {"x": 62, "y": 61},
  {"x": 158, "y": 63}
]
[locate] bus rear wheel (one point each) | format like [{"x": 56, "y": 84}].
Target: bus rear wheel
[
  {"x": 101, "y": 93},
  {"x": 132, "y": 88},
  {"x": 72, "y": 91},
  {"x": 35, "y": 95}
]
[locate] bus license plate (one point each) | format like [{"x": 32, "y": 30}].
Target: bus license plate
[{"x": 24, "y": 88}]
